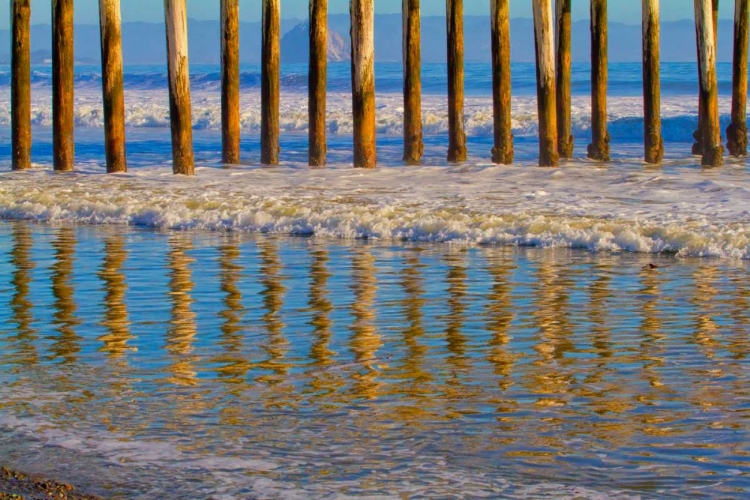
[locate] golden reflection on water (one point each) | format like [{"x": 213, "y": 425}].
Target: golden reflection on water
[
  {"x": 182, "y": 329},
  {"x": 276, "y": 344},
  {"x": 66, "y": 344},
  {"x": 454, "y": 320},
  {"x": 324, "y": 382},
  {"x": 413, "y": 360},
  {"x": 233, "y": 362},
  {"x": 550, "y": 356},
  {"x": 20, "y": 303},
  {"x": 703, "y": 298},
  {"x": 499, "y": 313},
  {"x": 552, "y": 317},
  {"x": 412, "y": 377},
  {"x": 365, "y": 341},
  {"x": 115, "y": 287},
  {"x": 321, "y": 306},
  {"x": 651, "y": 350}
]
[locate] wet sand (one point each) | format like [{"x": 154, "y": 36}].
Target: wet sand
[{"x": 17, "y": 486}]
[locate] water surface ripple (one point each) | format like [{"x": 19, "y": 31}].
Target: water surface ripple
[{"x": 146, "y": 364}]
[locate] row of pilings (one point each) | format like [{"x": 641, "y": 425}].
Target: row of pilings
[{"x": 552, "y": 27}]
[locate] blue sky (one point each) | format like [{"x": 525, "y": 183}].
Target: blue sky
[{"x": 627, "y": 11}]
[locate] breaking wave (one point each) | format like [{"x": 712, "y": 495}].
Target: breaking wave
[
  {"x": 687, "y": 213},
  {"x": 151, "y": 109}
]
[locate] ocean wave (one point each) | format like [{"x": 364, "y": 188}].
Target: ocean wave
[
  {"x": 151, "y": 109},
  {"x": 688, "y": 213}
]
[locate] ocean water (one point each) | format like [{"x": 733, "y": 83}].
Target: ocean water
[
  {"x": 624, "y": 206},
  {"x": 443, "y": 330},
  {"x": 147, "y": 99},
  {"x": 149, "y": 364}
]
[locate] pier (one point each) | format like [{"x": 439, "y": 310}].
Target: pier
[{"x": 552, "y": 36}]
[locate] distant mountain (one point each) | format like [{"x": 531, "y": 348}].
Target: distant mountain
[
  {"x": 143, "y": 43},
  {"x": 295, "y": 45}
]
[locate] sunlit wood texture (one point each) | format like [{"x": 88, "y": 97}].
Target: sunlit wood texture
[
  {"x": 20, "y": 89},
  {"x": 180, "y": 111},
  {"x": 454, "y": 11},
  {"x": 230, "y": 82},
  {"x": 269, "y": 82},
  {"x": 502, "y": 152},
  {"x": 652, "y": 139},
  {"x": 712, "y": 148},
  {"x": 317, "y": 82},
  {"x": 737, "y": 130},
  {"x": 63, "y": 98},
  {"x": 698, "y": 134},
  {"x": 412, "y": 62},
  {"x": 363, "y": 82},
  {"x": 599, "y": 147},
  {"x": 113, "y": 96},
  {"x": 565, "y": 138},
  {"x": 545, "y": 76}
]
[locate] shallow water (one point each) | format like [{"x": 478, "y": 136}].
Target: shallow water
[
  {"x": 146, "y": 364},
  {"x": 167, "y": 337}
]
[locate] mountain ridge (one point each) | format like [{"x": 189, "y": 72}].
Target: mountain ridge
[{"x": 143, "y": 43}]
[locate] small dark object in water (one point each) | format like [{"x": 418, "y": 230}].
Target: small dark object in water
[{"x": 651, "y": 266}]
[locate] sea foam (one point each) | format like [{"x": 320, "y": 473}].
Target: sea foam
[
  {"x": 684, "y": 210},
  {"x": 150, "y": 108}
]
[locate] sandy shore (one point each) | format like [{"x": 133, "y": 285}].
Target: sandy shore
[{"x": 17, "y": 486}]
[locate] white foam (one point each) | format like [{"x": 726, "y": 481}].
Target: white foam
[
  {"x": 150, "y": 108},
  {"x": 624, "y": 208},
  {"x": 233, "y": 477}
]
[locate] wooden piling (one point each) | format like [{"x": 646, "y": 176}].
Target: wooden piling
[
  {"x": 565, "y": 140},
  {"x": 653, "y": 141},
  {"x": 412, "y": 63},
  {"x": 455, "y": 28},
  {"x": 63, "y": 97},
  {"x": 269, "y": 82},
  {"x": 317, "y": 79},
  {"x": 502, "y": 152},
  {"x": 20, "y": 88},
  {"x": 113, "y": 96},
  {"x": 737, "y": 130},
  {"x": 230, "y": 82},
  {"x": 363, "y": 82},
  {"x": 698, "y": 134},
  {"x": 180, "y": 110},
  {"x": 545, "y": 76},
  {"x": 712, "y": 148},
  {"x": 599, "y": 147}
]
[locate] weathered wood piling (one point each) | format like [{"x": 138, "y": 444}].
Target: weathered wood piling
[
  {"x": 270, "y": 82},
  {"x": 652, "y": 139},
  {"x": 20, "y": 100},
  {"x": 317, "y": 80},
  {"x": 599, "y": 147},
  {"x": 455, "y": 28},
  {"x": 545, "y": 75},
  {"x": 63, "y": 93},
  {"x": 412, "y": 64},
  {"x": 363, "y": 82},
  {"x": 502, "y": 152},
  {"x": 698, "y": 134},
  {"x": 709, "y": 95},
  {"x": 563, "y": 21},
  {"x": 180, "y": 110},
  {"x": 737, "y": 130},
  {"x": 113, "y": 94},
  {"x": 230, "y": 82}
]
